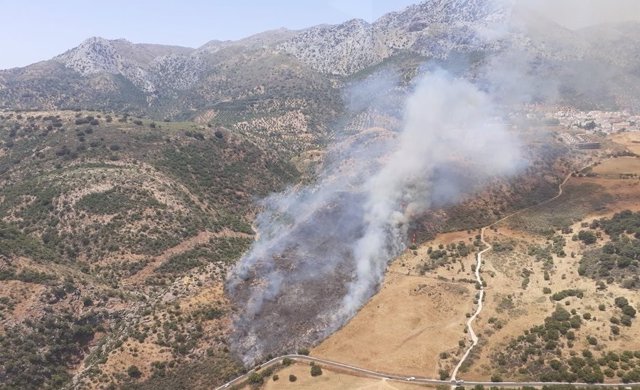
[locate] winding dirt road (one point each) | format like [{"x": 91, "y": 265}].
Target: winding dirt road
[{"x": 474, "y": 338}]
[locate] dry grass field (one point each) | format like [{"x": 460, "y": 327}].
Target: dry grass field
[
  {"x": 631, "y": 140},
  {"x": 413, "y": 319},
  {"x": 330, "y": 380},
  {"x": 613, "y": 168}
]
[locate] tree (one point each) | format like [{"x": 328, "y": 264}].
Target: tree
[
  {"x": 316, "y": 370},
  {"x": 621, "y": 302},
  {"x": 629, "y": 310},
  {"x": 588, "y": 237},
  {"x": 255, "y": 378},
  {"x": 292, "y": 378},
  {"x": 134, "y": 372}
]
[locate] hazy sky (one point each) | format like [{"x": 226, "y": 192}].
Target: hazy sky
[
  {"x": 582, "y": 13},
  {"x": 34, "y": 30}
]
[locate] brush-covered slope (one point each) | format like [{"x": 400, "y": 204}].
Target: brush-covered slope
[{"x": 116, "y": 234}]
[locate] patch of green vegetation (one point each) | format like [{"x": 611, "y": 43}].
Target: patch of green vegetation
[
  {"x": 588, "y": 237},
  {"x": 567, "y": 293},
  {"x": 444, "y": 255},
  {"x": 38, "y": 353},
  {"x": 504, "y": 246},
  {"x": 540, "y": 353},
  {"x": 625, "y": 222},
  {"x": 15, "y": 243},
  {"x": 224, "y": 174},
  {"x": 219, "y": 250},
  {"x": 618, "y": 260},
  {"x": 204, "y": 373},
  {"x": 26, "y": 275},
  {"x": 117, "y": 200}
]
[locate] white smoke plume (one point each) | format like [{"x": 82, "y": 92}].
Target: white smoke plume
[
  {"x": 448, "y": 122},
  {"x": 323, "y": 249}
]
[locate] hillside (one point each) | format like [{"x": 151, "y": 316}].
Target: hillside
[{"x": 111, "y": 225}]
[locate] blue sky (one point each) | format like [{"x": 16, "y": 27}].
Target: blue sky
[{"x": 35, "y": 30}]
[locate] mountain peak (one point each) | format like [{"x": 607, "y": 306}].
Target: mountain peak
[{"x": 93, "y": 55}]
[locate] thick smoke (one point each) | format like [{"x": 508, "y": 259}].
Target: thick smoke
[
  {"x": 323, "y": 249},
  {"x": 448, "y": 122},
  {"x": 576, "y": 14}
]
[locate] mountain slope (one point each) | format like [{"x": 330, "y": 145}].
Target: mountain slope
[{"x": 115, "y": 237}]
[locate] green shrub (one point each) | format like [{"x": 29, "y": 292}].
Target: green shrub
[
  {"x": 621, "y": 302},
  {"x": 316, "y": 370},
  {"x": 255, "y": 379},
  {"x": 134, "y": 372},
  {"x": 629, "y": 311},
  {"x": 567, "y": 293},
  {"x": 588, "y": 237}
]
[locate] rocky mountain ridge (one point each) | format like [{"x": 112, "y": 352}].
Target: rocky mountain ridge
[
  {"x": 432, "y": 29},
  {"x": 171, "y": 81}
]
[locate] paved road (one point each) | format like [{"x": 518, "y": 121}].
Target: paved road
[{"x": 405, "y": 378}]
